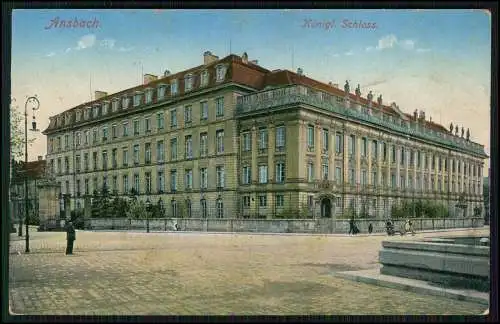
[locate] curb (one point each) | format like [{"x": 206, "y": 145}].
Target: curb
[{"x": 479, "y": 298}]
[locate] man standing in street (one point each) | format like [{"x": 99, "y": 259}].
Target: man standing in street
[{"x": 70, "y": 238}]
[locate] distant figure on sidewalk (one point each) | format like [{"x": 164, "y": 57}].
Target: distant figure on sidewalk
[
  {"x": 370, "y": 228},
  {"x": 351, "y": 226},
  {"x": 70, "y": 238}
]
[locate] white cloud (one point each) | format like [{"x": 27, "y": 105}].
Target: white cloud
[
  {"x": 370, "y": 48},
  {"x": 348, "y": 53},
  {"x": 108, "y": 43},
  {"x": 125, "y": 49},
  {"x": 335, "y": 55},
  {"x": 68, "y": 50},
  {"x": 51, "y": 54},
  {"x": 423, "y": 50},
  {"x": 407, "y": 44},
  {"x": 86, "y": 41},
  {"x": 387, "y": 42}
]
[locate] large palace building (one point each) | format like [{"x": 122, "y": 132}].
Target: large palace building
[{"x": 232, "y": 139}]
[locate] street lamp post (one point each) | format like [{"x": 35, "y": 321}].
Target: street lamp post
[
  {"x": 148, "y": 209},
  {"x": 33, "y": 100}
]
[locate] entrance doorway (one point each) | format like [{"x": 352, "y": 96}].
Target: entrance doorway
[{"x": 326, "y": 208}]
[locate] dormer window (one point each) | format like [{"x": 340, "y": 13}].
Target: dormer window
[
  {"x": 87, "y": 113},
  {"x": 161, "y": 92},
  {"x": 188, "y": 82},
  {"x": 78, "y": 115},
  {"x": 221, "y": 72},
  {"x": 105, "y": 107},
  {"x": 149, "y": 96},
  {"x": 125, "y": 102},
  {"x": 95, "y": 112},
  {"x": 59, "y": 120},
  {"x": 114, "y": 104},
  {"x": 68, "y": 118},
  {"x": 137, "y": 99},
  {"x": 204, "y": 78},
  {"x": 174, "y": 87}
]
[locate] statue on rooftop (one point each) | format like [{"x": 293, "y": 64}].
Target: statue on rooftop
[
  {"x": 456, "y": 130},
  {"x": 451, "y": 128},
  {"x": 370, "y": 96},
  {"x": 379, "y": 100},
  {"x": 415, "y": 114},
  {"x": 468, "y": 134},
  {"x": 346, "y": 87},
  {"x": 358, "y": 91},
  {"x": 462, "y": 132}
]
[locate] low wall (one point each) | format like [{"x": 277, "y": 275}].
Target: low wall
[{"x": 319, "y": 226}]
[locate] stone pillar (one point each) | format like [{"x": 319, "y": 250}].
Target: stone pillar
[
  {"x": 255, "y": 168},
  {"x": 358, "y": 159},
  {"x": 414, "y": 166},
  {"x": 407, "y": 166},
  {"x": 270, "y": 152},
  {"x": 379, "y": 166},
  {"x": 369, "y": 143},
  {"x": 430, "y": 158},
  {"x": 345, "y": 170},
  {"x": 331, "y": 155},
  {"x": 318, "y": 145},
  {"x": 67, "y": 207},
  {"x": 398, "y": 167},
  {"x": 87, "y": 211}
]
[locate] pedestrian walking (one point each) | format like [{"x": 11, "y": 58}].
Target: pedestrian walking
[
  {"x": 351, "y": 226},
  {"x": 70, "y": 238},
  {"x": 370, "y": 228},
  {"x": 412, "y": 230}
]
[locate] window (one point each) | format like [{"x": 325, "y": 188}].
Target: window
[
  {"x": 52, "y": 167},
  {"x": 174, "y": 87},
  {"x": 125, "y": 157},
  {"x": 203, "y": 178},
  {"x": 114, "y": 133},
  {"x": 87, "y": 187},
  {"x": 161, "y": 92},
  {"x": 160, "y": 151},
  {"x": 204, "y": 78},
  {"x": 220, "y": 176},
  {"x": 280, "y": 138},
  {"x": 136, "y": 127},
  {"x": 149, "y": 96},
  {"x": 173, "y": 149},
  {"x": 147, "y": 124},
  {"x": 188, "y": 82},
  {"x": 125, "y": 129},
  {"x": 147, "y": 151},
  {"x": 204, "y": 209},
  {"x": 160, "y": 120},
  {"x": 393, "y": 155},
  {"x": 410, "y": 182},
  {"x": 393, "y": 180},
  {"x": 262, "y": 173},
  {"x": 204, "y": 110},
  {"x": 95, "y": 111},
  {"x": 78, "y": 140},
  {"x": 67, "y": 187},
  {"x": 352, "y": 176},
  {"x": 219, "y": 107},
  {"x": 136, "y": 184},
  {"x": 310, "y": 172},
  {"x": 173, "y": 118},
  {"x": 104, "y": 134},
  {"x": 147, "y": 175},
  {"x": 137, "y": 99},
  {"x": 220, "y": 141},
  {"x": 280, "y": 200},
  {"x": 94, "y": 136},
  {"x": 189, "y": 179},
  {"x": 384, "y": 151},
  {"x": 220, "y": 73},
  {"x": 203, "y": 144},
  {"x": 247, "y": 141},
  {"x": 338, "y": 175},
  {"x": 86, "y": 161},
  {"x": 188, "y": 146},
  {"x": 115, "y": 184},
  {"x": 94, "y": 156},
  {"x": 114, "y": 162},
  {"x": 247, "y": 175},
  {"x": 77, "y": 163},
  {"x": 262, "y": 200},
  {"x": 246, "y": 201},
  {"x": 125, "y": 102},
  {"x": 59, "y": 143},
  {"x": 263, "y": 138},
  {"x": 374, "y": 149},
  {"x": 66, "y": 141},
  {"x": 66, "y": 164},
  {"x": 105, "y": 106},
  {"x": 418, "y": 159},
  {"x": 173, "y": 180},
  {"x": 364, "y": 147},
  {"x": 433, "y": 162},
  {"x": 188, "y": 114},
  {"x": 426, "y": 161},
  {"x": 338, "y": 142},
  {"x": 352, "y": 145},
  {"x": 59, "y": 166},
  {"x": 280, "y": 172},
  {"x": 220, "y": 208},
  {"x": 78, "y": 192},
  {"x": 114, "y": 105},
  {"x": 136, "y": 154},
  {"x": 324, "y": 140},
  {"x": 374, "y": 178},
  {"x": 402, "y": 156},
  {"x": 104, "y": 160},
  {"x": 310, "y": 136},
  {"x": 412, "y": 158},
  {"x": 324, "y": 169}
]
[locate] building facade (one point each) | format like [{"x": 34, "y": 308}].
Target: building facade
[{"x": 231, "y": 139}]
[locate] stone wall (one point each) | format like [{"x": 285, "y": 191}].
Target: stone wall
[{"x": 323, "y": 226}]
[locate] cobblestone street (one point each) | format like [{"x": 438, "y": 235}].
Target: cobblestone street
[{"x": 202, "y": 273}]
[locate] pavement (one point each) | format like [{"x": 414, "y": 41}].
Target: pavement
[{"x": 175, "y": 273}]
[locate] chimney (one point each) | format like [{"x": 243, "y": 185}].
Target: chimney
[
  {"x": 330, "y": 84},
  {"x": 256, "y": 62},
  {"x": 300, "y": 71},
  {"x": 40, "y": 158},
  {"x": 209, "y": 58},
  {"x": 99, "y": 94},
  {"x": 149, "y": 78},
  {"x": 166, "y": 73},
  {"x": 244, "y": 58}
]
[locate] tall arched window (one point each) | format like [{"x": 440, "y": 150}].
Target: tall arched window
[
  {"x": 203, "y": 206},
  {"x": 220, "y": 208}
]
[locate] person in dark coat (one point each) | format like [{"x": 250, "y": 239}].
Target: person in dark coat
[
  {"x": 370, "y": 228},
  {"x": 70, "y": 238},
  {"x": 351, "y": 226}
]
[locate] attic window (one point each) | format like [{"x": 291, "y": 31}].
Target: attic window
[
  {"x": 125, "y": 102},
  {"x": 174, "y": 89},
  {"x": 220, "y": 72},
  {"x": 87, "y": 113},
  {"x": 204, "y": 78},
  {"x": 114, "y": 104},
  {"x": 95, "y": 111},
  {"x": 161, "y": 91},
  {"x": 78, "y": 115},
  {"x": 149, "y": 95},
  {"x": 105, "y": 106},
  {"x": 188, "y": 82},
  {"x": 137, "y": 99}
]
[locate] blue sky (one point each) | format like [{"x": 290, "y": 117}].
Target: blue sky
[{"x": 433, "y": 60}]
